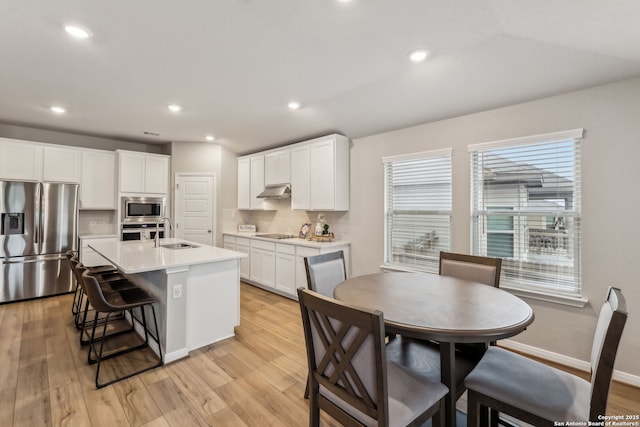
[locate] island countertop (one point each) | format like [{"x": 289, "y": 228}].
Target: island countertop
[{"x": 136, "y": 257}]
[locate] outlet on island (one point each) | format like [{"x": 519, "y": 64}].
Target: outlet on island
[{"x": 177, "y": 291}]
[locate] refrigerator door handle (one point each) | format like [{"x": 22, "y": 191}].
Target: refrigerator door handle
[{"x": 38, "y": 216}]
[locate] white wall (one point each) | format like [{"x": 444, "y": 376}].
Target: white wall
[
  {"x": 208, "y": 158},
  {"x": 610, "y": 115},
  {"x": 76, "y": 140}
]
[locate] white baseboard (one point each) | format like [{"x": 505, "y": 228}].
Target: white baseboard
[{"x": 571, "y": 362}]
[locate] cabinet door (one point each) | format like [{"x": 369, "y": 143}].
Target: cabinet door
[
  {"x": 322, "y": 175},
  {"x": 132, "y": 173},
  {"x": 300, "y": 178},
  {"x": 277, "y": 167},
  {"x": 20, "y": 160},
  {"x": 269, "y": 265},
  {"x": 61, "y": 164},
  {"x": 286, "y": 273},
  {"x": 245, "y": 263},
  {"x": 257, "y": 181},
  {"x": 156, "y": 177},
  {"x": 98, "y": 180},
  {"x": 244, "y": 183}
]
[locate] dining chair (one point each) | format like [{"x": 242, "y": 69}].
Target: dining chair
[
  {"x": 475, "y": 268},
  {"x": 77, "y": 297},
  {"x": 325, "y": 271},
  {"x": 471, "y": 267},
  {"x": 351, "y": 378},
  {"x": 116, "y": 302},
  {"x": 541, "y": 395}
]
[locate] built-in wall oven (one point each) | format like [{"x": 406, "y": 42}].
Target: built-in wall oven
[
  {"x": 141, "y": 209},
  {"x": 141, "y": 231}
]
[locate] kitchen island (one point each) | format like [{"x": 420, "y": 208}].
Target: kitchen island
[{"x": 197, "y": 288}]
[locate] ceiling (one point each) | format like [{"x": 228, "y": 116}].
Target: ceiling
[{"x": 234, "y": 65}]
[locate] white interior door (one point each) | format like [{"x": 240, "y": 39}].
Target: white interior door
[{"x": 195, "y": 207}]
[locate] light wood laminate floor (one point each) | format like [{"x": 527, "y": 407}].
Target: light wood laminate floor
[{"x": 256, "y": 378}]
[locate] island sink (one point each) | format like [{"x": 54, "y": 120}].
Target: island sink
[{"x": 178, "y": 246}]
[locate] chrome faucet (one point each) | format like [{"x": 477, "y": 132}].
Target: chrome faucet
[{"x": 157, "y": 236}]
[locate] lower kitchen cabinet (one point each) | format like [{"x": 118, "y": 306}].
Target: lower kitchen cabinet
[
  {"x": 244, "y": 245},
  {"x": 286, "y": 268},
  {"x": 263, "y": 263},
  {"x": 279, "y": 266}
]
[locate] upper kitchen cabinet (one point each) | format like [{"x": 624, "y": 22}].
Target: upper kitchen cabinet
[
  {"x": 251, "y": 174},
  {"x": 277, "y": 167},
  {"x": 143, "y": 173},
  {"x": 61, "y": 164},
  {"x": 34, "y": 161},
  {"x": 20, "y": 160},
  {"x": 320, "y": 174},
  {"x": 98, "y": 184}
]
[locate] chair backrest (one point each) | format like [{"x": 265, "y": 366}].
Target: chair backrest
[
  {"x": 325, "y": 271},
  {"x": 346, "y": 356},
  {"x": 75, "y": 263},
  {"x": 471, "y": 267},
  {"x": 611, "y": 321},
  {"x": 94, "y": 291}
]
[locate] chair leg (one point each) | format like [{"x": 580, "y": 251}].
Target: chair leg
[{"x": 473, "y": 410}]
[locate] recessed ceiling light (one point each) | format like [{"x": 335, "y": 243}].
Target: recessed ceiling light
[
  {"x": 210, "y": 138},
  {"x": 294, "y": 105},
  {"x": 418, "y": 55},
  {"x": 57, "y": 109},
  {"x": 76, "y": 31},
  {"x": 175, "y": 108}
]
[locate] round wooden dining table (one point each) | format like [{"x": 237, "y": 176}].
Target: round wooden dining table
[{"x": 441, "y": 308}]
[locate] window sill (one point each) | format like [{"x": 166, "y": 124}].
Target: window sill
[{"x": 573, "y": 301}]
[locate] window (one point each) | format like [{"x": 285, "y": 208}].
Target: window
[
  {"x": 417, "y": 209},
  {"x": 525, "y": 201}
]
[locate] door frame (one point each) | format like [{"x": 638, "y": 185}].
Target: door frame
[{"x": 214, "y": 197}]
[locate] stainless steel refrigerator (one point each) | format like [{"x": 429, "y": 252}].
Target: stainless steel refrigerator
[{"x": 38, "y": 224}]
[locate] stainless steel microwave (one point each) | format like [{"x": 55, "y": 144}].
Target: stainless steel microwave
[{"x": 142, "y": 209}]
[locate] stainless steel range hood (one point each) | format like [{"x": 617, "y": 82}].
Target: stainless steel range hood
[{"x": 282, "y": 191}]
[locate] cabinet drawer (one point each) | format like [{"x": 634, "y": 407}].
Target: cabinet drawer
[
  {"x": 285, "y": 249},
  {"x": 229, "y": 239},
  {"x": 267, "y": 246},
  {"x": 243, "y": 241},
  {"x": 305, "y": 252}
]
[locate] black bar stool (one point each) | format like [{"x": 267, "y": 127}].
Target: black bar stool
[
  {"x": 116, "y": 302},
  {"x": 76, "y": 305}
]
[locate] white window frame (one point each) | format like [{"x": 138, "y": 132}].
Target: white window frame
[
  {"x": 519, "y": 274},
  {"x": 425, "y": 257}
]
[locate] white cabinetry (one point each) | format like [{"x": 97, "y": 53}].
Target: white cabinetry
[
  {"x": 244, "y": 245},
  {"x": 20, "y": 160},
  {"x": 88, "y": 256},
  {"x": 320, "y": 174},
  {"x": 263, "y": 263},
  {"x": 98, "y": 180},
  {"x": 251, "y": 183},
  {"x": 286, "y": 268},
  {"x": 277, "y": 167},
  {"x": 143, "y": 173},
  {"x": 300, "y": 177},
  {"x": 61, "y": 164}
]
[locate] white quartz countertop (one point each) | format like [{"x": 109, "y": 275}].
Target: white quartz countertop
[
  {"x": 293, "y": 241},
  {"x": 137, "y": 257}
]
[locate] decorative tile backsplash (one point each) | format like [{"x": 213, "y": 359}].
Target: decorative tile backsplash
[{"x": 284, "y": 220}]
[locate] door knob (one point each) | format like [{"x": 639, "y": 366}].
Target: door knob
[{"x": 208, "y": 231}]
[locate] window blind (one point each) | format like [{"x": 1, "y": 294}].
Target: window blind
[
  {"x": 417, "y": 209},
  {"x": 525, "y": 200}
]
